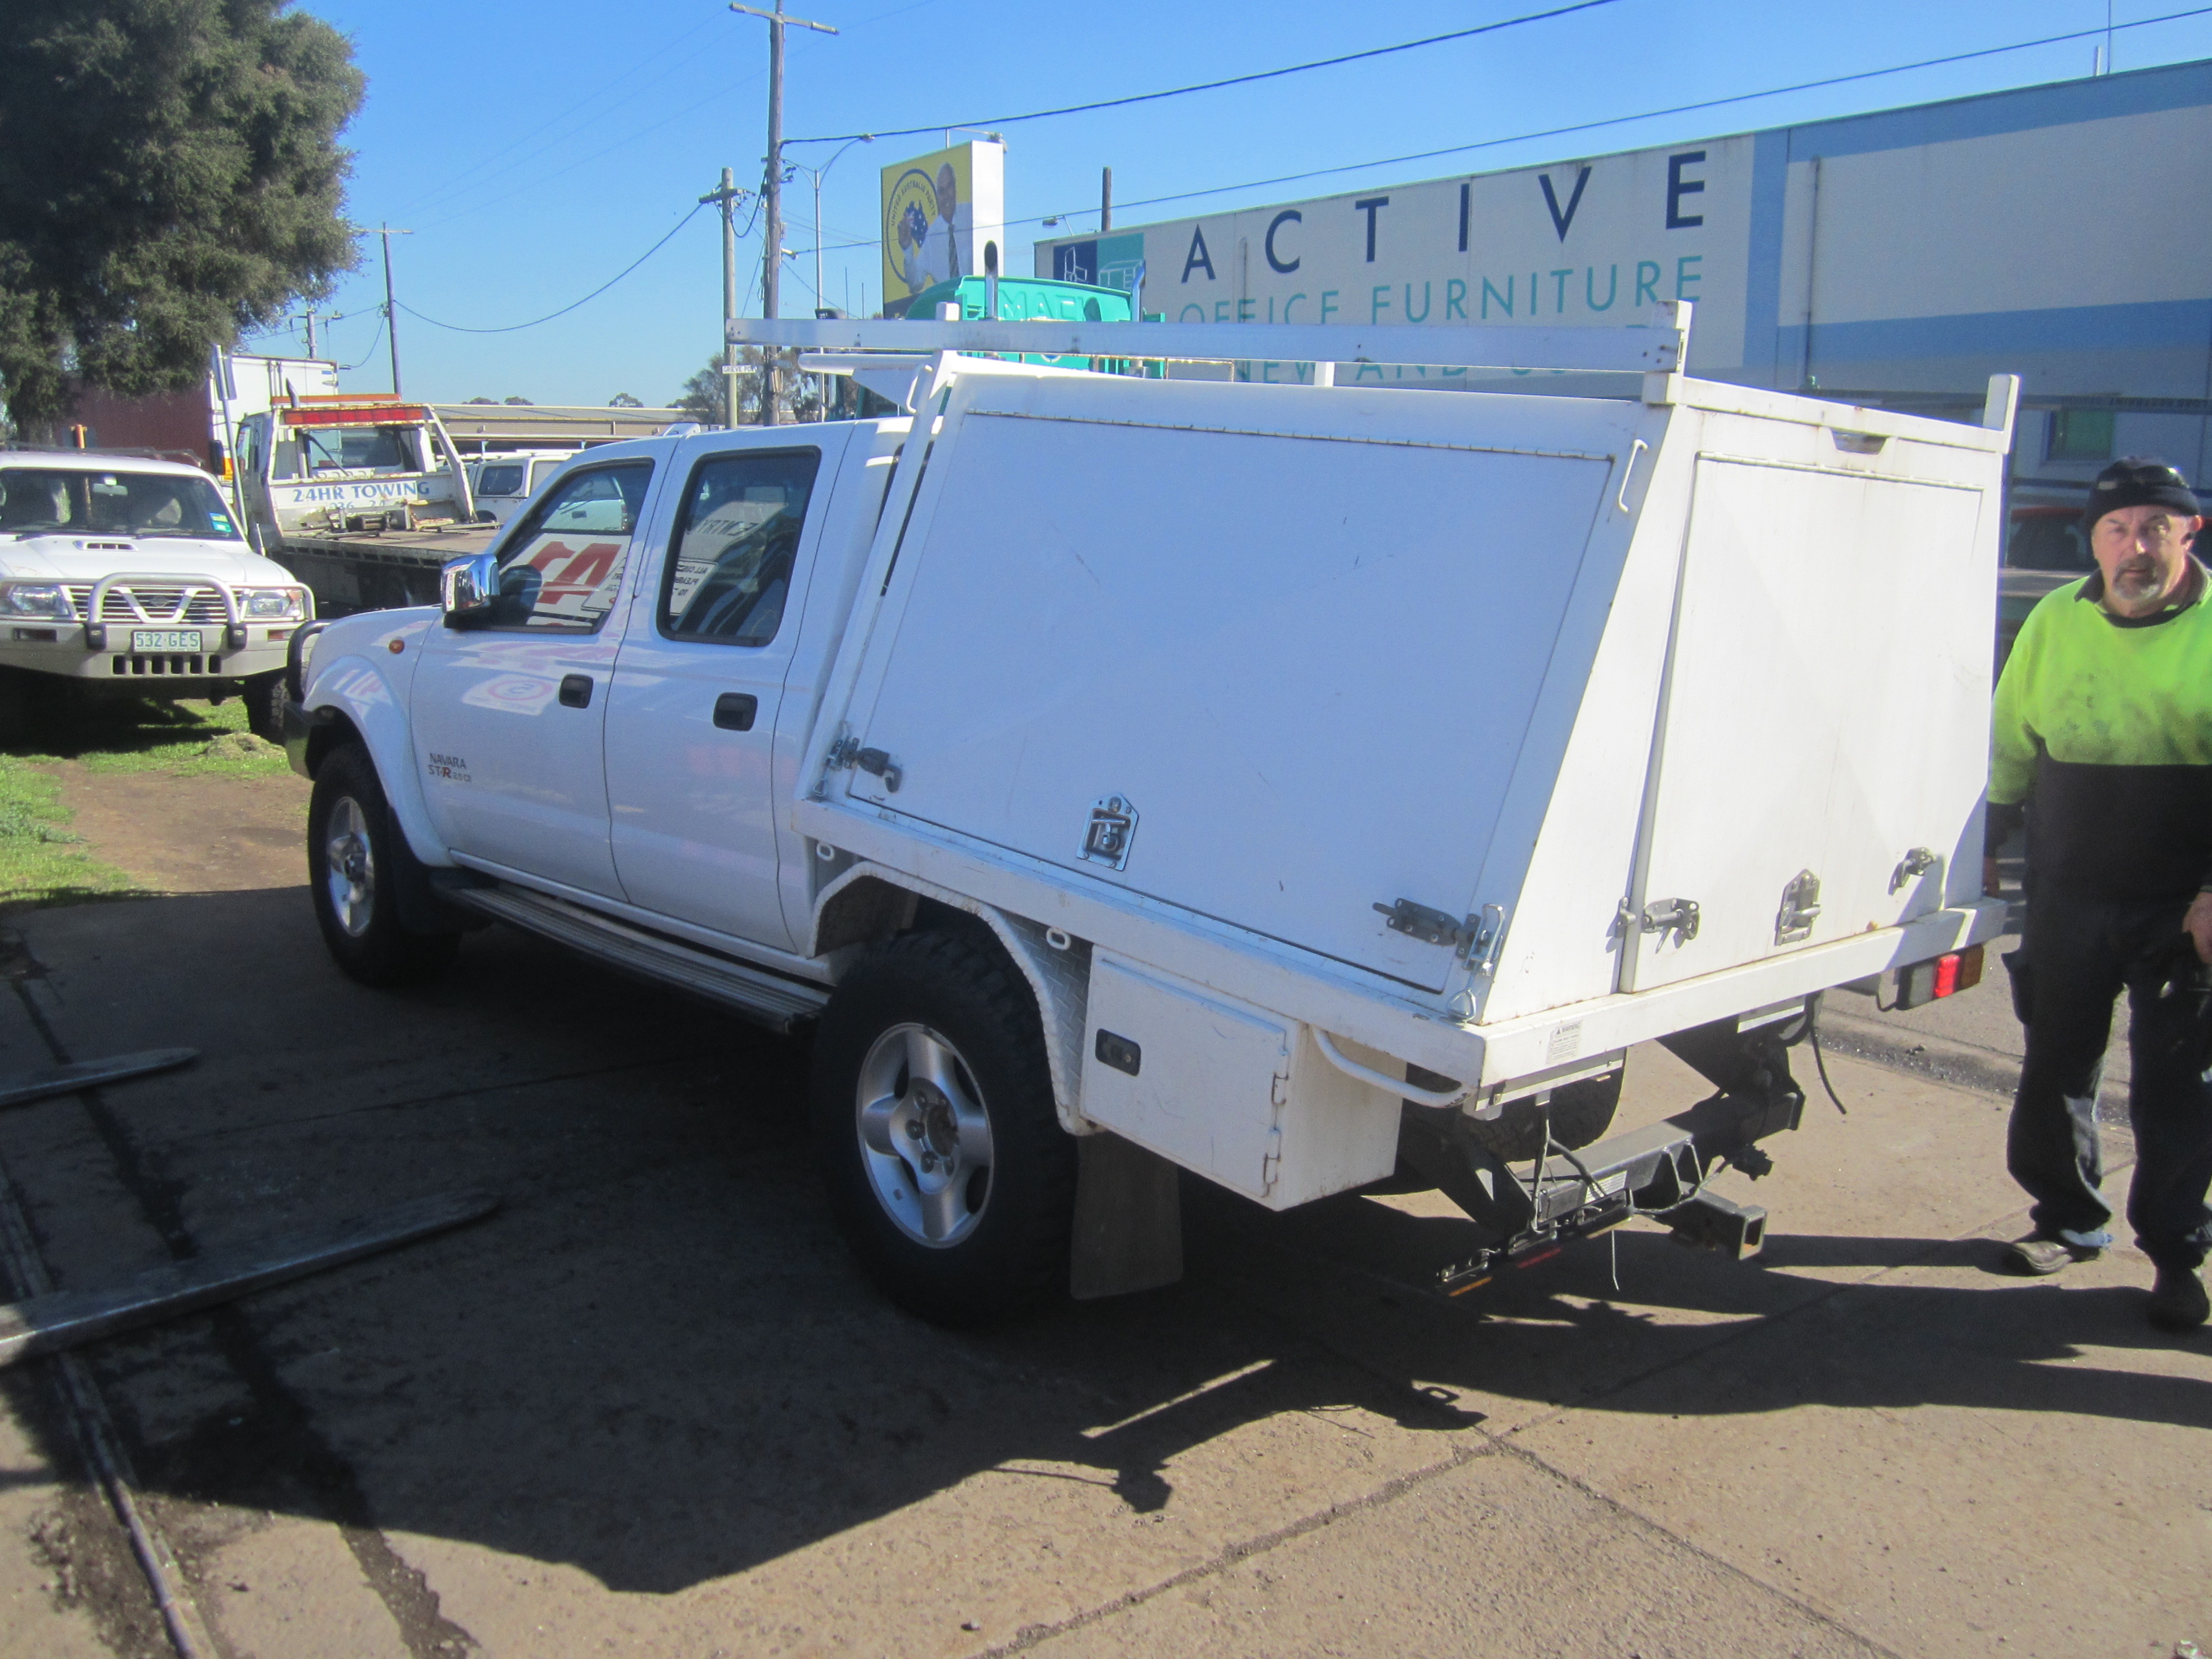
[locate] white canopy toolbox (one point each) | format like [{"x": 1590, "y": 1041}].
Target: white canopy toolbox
[{"x": 1328, "y": 731}]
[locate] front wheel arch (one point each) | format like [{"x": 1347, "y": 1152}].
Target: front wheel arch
[{"x": 354, "y": 877}]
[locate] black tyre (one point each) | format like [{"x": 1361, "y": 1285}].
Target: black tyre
[
  {"x": 349, "y": 871},
  {"x": 934, "y": 1127},
  {"x": 265, "y": 697},
  {"x": 1581, "y": 1113}
]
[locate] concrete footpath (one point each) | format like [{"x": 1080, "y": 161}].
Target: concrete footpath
[{"x": 649, "y": 1407}]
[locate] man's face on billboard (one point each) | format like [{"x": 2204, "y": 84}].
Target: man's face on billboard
[{"x": 948, "y": 192}]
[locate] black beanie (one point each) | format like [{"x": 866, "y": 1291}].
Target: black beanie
[{"x": 2137, "y": 483}]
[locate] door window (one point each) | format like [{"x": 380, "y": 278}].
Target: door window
[
  {"x": 729, "y": 565},
  {"x": 563, "y": 567}
]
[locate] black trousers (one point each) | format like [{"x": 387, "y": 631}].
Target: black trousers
[{"x": 2081, "y": 953}]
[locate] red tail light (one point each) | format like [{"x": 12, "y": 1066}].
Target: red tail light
[{"x": 1944, "y": 977}]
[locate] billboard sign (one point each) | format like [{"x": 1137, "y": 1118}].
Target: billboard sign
[
  {"x": 943, "y": 219},
  {"x": 1594, "y": 243}
]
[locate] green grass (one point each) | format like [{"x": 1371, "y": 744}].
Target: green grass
[
  {"x": 41, "y": 862},
  {"x": 186, "y": 738}
]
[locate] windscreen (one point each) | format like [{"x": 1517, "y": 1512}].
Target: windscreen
[
  {"x": 361, "y": 449},
  {"x": 36, "y": 501}
]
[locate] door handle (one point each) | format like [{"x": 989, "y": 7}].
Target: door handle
[
  {"x": 575, "y": 691},
  {"x": 734, "y": 710}
]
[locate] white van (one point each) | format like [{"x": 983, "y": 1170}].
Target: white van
[{"x": 503, "y": 483}]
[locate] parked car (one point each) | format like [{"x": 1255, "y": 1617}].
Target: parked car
[
  {"x": 121, "y": 576},
  {"x": 1284, "y": 784},
  {"x": 503, "y": 481}
]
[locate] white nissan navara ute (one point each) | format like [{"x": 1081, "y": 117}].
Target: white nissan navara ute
[{"x": 125, "y": 576}]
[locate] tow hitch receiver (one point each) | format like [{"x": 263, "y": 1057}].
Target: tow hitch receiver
[
  {"x": 1709, "y": 1219},
  {"x": 1659, "y": 1171}
]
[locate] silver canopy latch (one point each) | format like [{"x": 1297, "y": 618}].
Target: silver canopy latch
[
  {"x": 1800, "y": 909},
  {"x": 1917, "y": 862},
  {"x": 1111, "y": 832},
  {"x": 1430, "y": 926},
  {"x": 875, "y": 763},
  {"x": 1675, "y": 916},
  {"x": 1475, "y": 940}
]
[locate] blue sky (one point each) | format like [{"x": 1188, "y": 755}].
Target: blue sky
[{"x": 537, "y": 149}]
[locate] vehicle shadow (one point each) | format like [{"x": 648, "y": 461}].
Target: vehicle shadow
[
  {"x": 1852, "y": 1322},
  {"x": 62, "y": 721},
  {"x": 657, "y": 1362}
]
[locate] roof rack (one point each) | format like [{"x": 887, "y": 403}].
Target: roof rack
[{"x": 1658, "y": 346}]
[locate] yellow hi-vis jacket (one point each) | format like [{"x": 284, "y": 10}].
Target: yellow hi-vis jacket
[{"x": 2103, "y": 728}]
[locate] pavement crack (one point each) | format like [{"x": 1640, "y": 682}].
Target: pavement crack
[
  {"x": 1230, "y": 1555},
  {"x": 414, "y": 1102},
  {"x": 406, "y": 1593},
  {"x": 1719, "y": 1563},
  {"x": 285, "y": 1425}
]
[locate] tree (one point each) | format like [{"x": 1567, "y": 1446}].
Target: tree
[
  {"x": 169, "y": 178},
  {"x": 624, "y": 400},
  {"x": 701, "y": 397}
]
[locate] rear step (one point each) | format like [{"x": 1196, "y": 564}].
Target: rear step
[{"x": 767, "y": 999}]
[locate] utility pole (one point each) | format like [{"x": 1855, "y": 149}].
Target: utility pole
[
  {"x": 391, "y": 310},
  {"x": 308, "y": 318},
  {"x": 728, "y": 196},
  {"x": 772, "y": 185},
  {"x": 1105, "y": 200}
]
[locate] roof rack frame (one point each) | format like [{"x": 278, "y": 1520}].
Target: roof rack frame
[{"x": 1658, "y": 346}]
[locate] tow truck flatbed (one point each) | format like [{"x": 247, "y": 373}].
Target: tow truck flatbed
[{"x": 377, "y": 570}]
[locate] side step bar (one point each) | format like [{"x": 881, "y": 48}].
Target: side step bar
[{"x": 767, "y": 999}]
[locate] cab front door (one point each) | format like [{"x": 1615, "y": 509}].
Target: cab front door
[{"x": 510, "y": 719}]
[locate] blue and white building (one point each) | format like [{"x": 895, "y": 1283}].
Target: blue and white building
[{"x": 2057, "y": 232}]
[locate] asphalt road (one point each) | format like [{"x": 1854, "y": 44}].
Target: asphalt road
[{"x": 650, "y": 1408}]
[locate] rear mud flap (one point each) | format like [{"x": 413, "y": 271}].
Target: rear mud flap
[{"x": 1128, "y": 1219}]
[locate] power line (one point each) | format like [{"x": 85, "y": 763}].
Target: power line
[
  {"x": 1215, "y": 86},
  {"x": 462, "y": 180},
  {"x": 1647, "y": 115},
  {"x": 1588, "y": 126},
  {"x": 511, "y": 328},
  {"x": 374, "y": 340}
]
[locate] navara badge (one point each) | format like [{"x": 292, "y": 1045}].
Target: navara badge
[{"x": 1113, "y": 827}]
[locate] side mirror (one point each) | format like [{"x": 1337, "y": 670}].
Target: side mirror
[{"x": 468, "y": 590}]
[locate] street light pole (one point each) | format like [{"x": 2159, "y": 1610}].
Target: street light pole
[
  {"x": 818, "y": 175},
  {"x": 772, "y": 186}
]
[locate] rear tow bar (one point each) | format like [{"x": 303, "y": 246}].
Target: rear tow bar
[{"x": 1662, "y": 1171}]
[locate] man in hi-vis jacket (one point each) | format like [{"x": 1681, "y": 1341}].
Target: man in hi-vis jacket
[{"x": 2103, "y": 738}]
